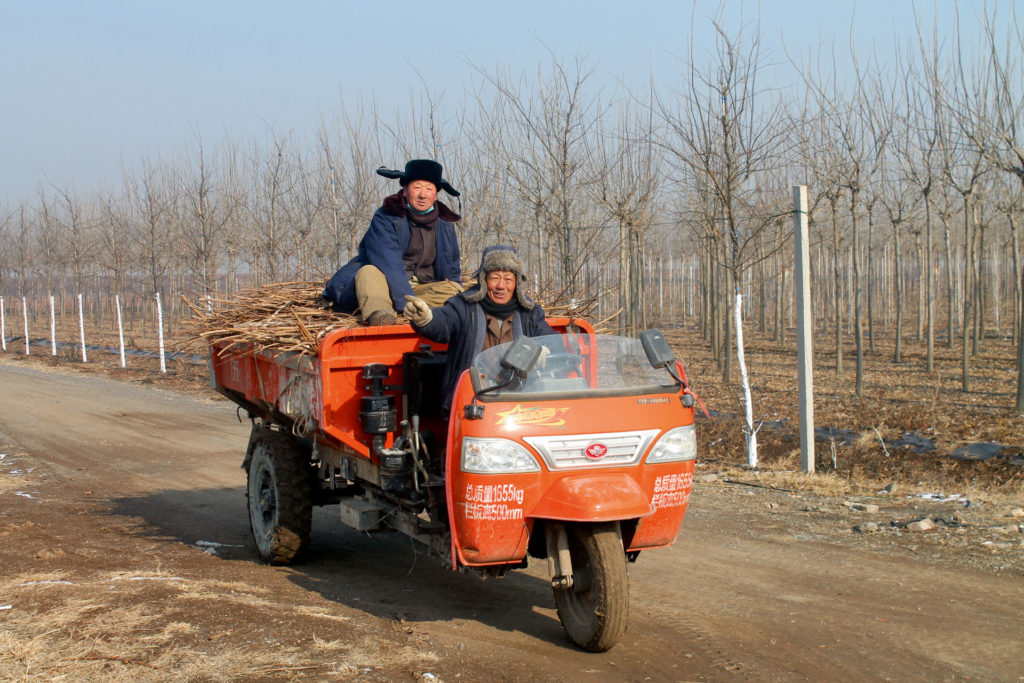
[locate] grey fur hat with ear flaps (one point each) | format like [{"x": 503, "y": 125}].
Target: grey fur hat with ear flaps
[{"x": 500, "y": 257}]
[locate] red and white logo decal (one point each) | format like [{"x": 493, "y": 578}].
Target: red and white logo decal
[{"x": 595, "y": 450}]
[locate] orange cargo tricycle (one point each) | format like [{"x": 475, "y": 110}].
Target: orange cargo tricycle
[{"x": 577, "y": 448}]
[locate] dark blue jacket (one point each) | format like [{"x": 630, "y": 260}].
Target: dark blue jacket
[
  {"x": 463, "y": 326},
  {"x": 384, "y": 244}
]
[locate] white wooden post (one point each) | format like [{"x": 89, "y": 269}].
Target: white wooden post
[
  {"x": 804, "y": 327},
  {"x": 3, "y": 326},
  {"x": 120, "y": 328},
  {"x": 24, "y": 316},
  {"x": 160, "y": 331},
  {"x": 53, "y": 330},
  {"x": 81, "y": 328}
]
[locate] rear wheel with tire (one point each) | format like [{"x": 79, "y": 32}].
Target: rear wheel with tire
[
  {"x": 279, "y": 497},
  {"x": 595, "y": 609}
]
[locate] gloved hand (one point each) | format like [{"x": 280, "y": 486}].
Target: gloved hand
[
  {"x": 417, "y": 311},
  {"x": 542, "y": 359}
]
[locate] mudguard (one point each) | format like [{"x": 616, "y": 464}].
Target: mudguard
[{"x": 593, "y": 497}]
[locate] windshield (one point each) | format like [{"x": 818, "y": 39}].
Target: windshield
[{"x": 578, "y": 363}]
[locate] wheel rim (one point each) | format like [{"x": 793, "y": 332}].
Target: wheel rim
[
  {"x": 264, "y": 504},
  {"x": 595, "y": 609},
  {"x": 584, "y": 596}
]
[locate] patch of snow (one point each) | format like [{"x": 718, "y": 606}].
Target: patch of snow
[
  {"x": 214, "y": 544},
  {"x": 940, "y": 498},
  {"x": 41, "y": 583}
]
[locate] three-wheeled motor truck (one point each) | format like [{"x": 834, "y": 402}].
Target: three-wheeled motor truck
[{"x": 576, "y": 448}]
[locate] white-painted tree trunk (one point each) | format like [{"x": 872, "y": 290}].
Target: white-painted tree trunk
[
  {"x": 160, "y": 331},
  {"x": 748, "y": 404},
  {"x": 24, "y": 316},
  {"x": 81, "y": 328},
  {"x": 53, "y": 330},
  {"x": 3, "y": 327},
  {"x": 120, "y": 328}
]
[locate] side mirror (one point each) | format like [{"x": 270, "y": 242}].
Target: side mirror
[
  {"x": 659, "y": 353},
  {"x": 517, "y": 362},
  {"x": 521, "y": 356}
]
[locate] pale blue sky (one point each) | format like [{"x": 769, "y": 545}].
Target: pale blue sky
[{"x": 87, "y": 84}]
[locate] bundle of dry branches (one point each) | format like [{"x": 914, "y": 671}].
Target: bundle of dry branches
[{"x": 292, "y": 317}]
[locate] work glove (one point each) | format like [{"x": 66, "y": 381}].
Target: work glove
[{"x": 417, "y": 311}]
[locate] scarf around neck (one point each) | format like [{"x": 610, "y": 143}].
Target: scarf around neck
[{"x": 499, "y": 311}]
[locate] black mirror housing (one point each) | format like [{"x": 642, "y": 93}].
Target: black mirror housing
[
  {"x": 521, "y": 356},
  {"x": 659, "y": 353}
]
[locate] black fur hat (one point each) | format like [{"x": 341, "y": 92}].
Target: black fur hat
[{"x": 420, "y": 169}]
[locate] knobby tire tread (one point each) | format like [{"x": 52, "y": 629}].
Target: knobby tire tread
[
  {"x": 290, "y": 537},
  {"x": 600, "y": 547}
]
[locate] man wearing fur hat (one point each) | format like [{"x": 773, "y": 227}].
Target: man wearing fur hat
[
  {"x": 410, "y": 248},
  {"x": 494, "y": 311}
]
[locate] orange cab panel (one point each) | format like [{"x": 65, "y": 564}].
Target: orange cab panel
[{"x": 590, "y": 454}]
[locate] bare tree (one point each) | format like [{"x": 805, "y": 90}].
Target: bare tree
[
  {"x": 211, "y": 195},
  {"x": 920, "y": 151},
  {"x": 897, "y": 207},
  {"x": 116, "y": 241},
  {"x": 149, "y": 193},
  {"x": 628, "y": 173},
  {"x": 306, "y": 213},
  {"x": 964, "y": 168},
  {"x": 65, "y": 218},
  {"x": 726, "y": 132},
  {"x": 7, "y": 248},
  {"x": 859, "y": 134},
  {"x": 989, "y": 107},
  {"x": 354, "y": 188},
  {"x": 273, "y": 182},
  {"x": 545, "y": 150}
]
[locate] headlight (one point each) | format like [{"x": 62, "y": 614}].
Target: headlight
[
  {"x": 677, "y": 444},
  {"x": 493, "y": 456}
]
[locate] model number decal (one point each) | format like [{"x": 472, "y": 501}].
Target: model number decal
[
  {"x": 494, "y": 493},
  {"x": 494, "y": 512},
  {"x": 672, "y": 490}
]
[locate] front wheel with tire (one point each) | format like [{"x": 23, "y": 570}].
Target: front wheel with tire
[
  {"x": 594, "y": 610},
  {"x": 279, "y": 498}
]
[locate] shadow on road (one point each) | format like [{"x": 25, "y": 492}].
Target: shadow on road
[{"x": 384, "y": 574}]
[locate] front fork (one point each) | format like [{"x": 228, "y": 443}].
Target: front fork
[{"x": 559, "y": 557}]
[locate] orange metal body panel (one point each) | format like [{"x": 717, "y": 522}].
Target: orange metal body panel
[
  {"x": 492, "y": 515},
  {"x": 602, "y": 496},
  {"x": 343, "y": 354},
  {"x": 261, "y": 381}
]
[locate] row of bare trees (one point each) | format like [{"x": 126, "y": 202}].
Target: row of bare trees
[{"x": 670, "y": 202}]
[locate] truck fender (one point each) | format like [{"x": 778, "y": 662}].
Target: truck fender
[{"x": 593, "y": 497}]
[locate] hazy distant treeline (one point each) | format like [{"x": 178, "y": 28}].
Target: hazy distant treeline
[{"x": 661, "y": 199}]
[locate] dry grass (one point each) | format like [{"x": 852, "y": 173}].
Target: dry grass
[
  {"x": 125, "y": 627},
  {"x": 899, "y": 399},
  {"x": 142, "y": 626},
  {"x": 292, "y": 317}
]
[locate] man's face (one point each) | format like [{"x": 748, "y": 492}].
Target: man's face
[
  {"x": 420, "y": 194},
  {"x": 501, "y": 285}
]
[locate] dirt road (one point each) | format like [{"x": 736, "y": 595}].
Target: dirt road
[{"x": 125, "y": 555}]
